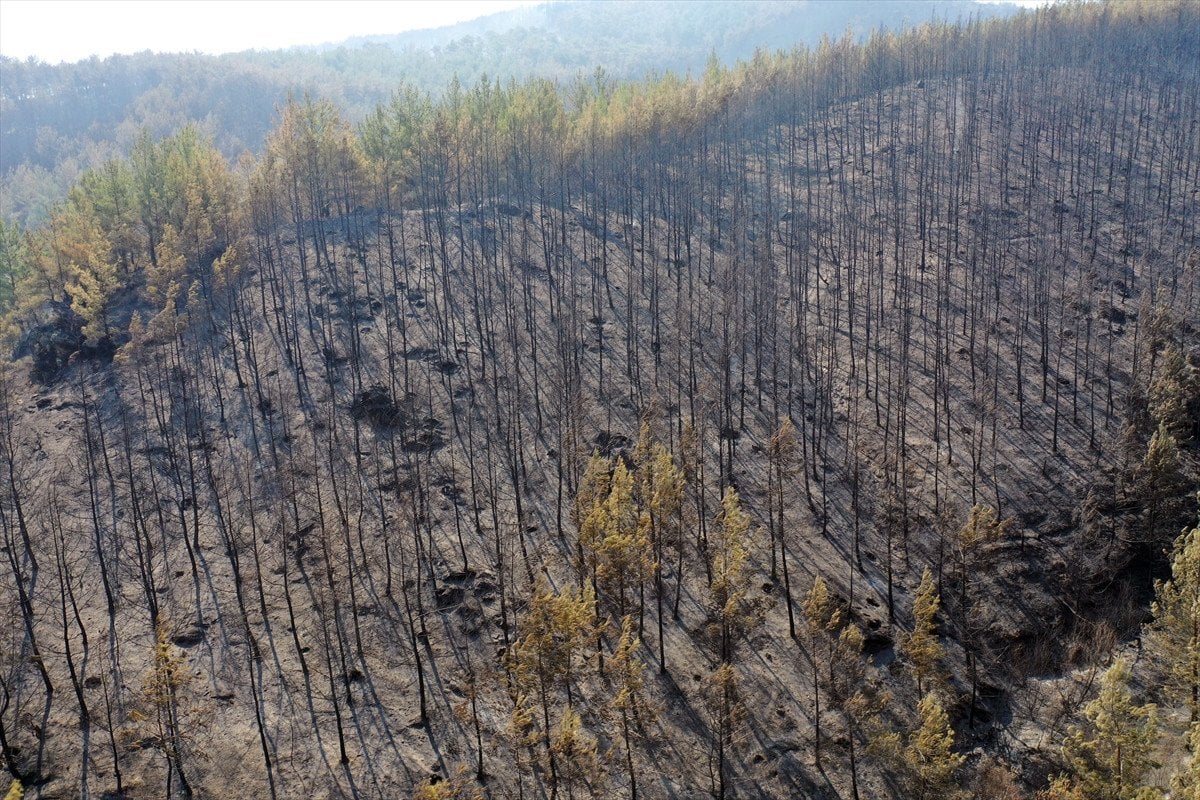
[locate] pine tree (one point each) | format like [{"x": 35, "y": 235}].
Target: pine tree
[
  {"x": 982, "y": 527},
  {"x": 13, "y": 263},
  {"x": 227, "y": 267},
  {"x": 821, "y": 620},
  {"x": 626, "y": 673},
  {"x": 1061, "y": 788},
  {"x": 615, "y": 538},
  {"x": 575, "y": 752},
  {"x": 929, "y": 756},
  {"x": 593, "y": 487},
  {"x": 168, "y": 273},
  {"x": 849, "y": 688},
  {"x": 722, "y": 702},
  {"x": 1185, "y": 785},
  {"x": 590, "y": 514},
  {"x": 45, "y": 268},
  {"x": 105, "y": 193},
  {"x": 624, "y": 554},
  {"x": 1160, "y": 467},
  {"x": 643, "y": 463},
  {"x": 92, "y": 274},
  {"x": 167, "y": 673},
  {"x": 781, "y": 450},
  {"x": 1161, "y": 481},
  {"x": 921, "y": 647},
  {"x": 1173, "y": 387},
  {"x": 1112, "y": 753},
  {"x": 691, "y": 462},
  {"x": 1175, "y": 631},
  {"x": 551, "y": 634},
  {"x": 666, "y": 508},
  {"x": 729, "y": 554},
  {"x": 924, "y": 759}
]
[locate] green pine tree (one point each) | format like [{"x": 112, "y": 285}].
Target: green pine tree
[
  {"x": 929, "y": 756},
  {"x": 1185, "y": 785},
  {"x": 1112, "y": 753},
  {"x": 1175, "y": 631},
  {"x": 921, "y": 647}
]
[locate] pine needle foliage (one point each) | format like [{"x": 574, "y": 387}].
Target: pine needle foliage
[
  {"x": 929, "y": 756},
  {"x": 1175, "y": 631},
  {"x": 1112, "y": 753},
  {"x": 729, "y": 554},
  {"x": 921, "y": 647}
]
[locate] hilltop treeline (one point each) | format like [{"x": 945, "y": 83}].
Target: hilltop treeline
[
  {"x": 796, "y": 429},
  {"x": 61, "y": 120}
]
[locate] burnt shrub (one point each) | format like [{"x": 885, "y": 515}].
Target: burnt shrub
[
  {"x": 376, "y": 406},
  {"x": 55, "y": 335}
]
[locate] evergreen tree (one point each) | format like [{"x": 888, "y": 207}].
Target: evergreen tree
[
  {"x": 92, "y": 274},
  {"x": 105, "y": 194},
  {"x": 1173, "y": 388},
  {"x": 723, "y": 704},
  {"x": 821, "y": 621},
  {"x": 615, "y": 536},
  {"x": 1175, "y": 631},
  {"x": 1112, "y": 753},
  {"x": 1161, "y": 481},
  {"x": 551, "y": 635},
  {"x": 921, "y": 648},
  {"x": 929, "y": 756},
  {"x": 589, "y": 499},
  {"x": 1161, "y": 465},
  {"x": 167, "y": 674},
  {"x": 168, "y": 270},
  {"x": 643, "y": 463},
  {"x": 623, "y": 552},
  {"x": 781, "y": 452},
  {"x": 982, "y": 527},
  {"x": 1185, "y": 785},
  {"x": 850, "y": 689},
  {"x": 626, "y": 673},
  {"x": 1061, "y": 788},
  {"x": 666, "y": 508},
  {"x": 575, "y": 753},
  {"x": 924, "y": 759},
  {"x": 729, "y": 553},
  {"x": 13, "y": 263}
]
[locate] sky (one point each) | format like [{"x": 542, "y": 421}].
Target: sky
[{"x": 71, "y": 30}]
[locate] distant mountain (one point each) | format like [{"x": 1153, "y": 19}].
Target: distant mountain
[
  {"x": 632, "y": 37},
  {"x": 58, "y": 120}
]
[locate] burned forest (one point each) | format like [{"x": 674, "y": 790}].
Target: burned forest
[{"x": 823, "y": 425}]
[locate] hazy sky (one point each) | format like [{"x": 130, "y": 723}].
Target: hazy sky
[{"x": 70, "y": 30}]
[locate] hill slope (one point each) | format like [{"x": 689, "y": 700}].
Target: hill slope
[{"x": 305, "y": 485}]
